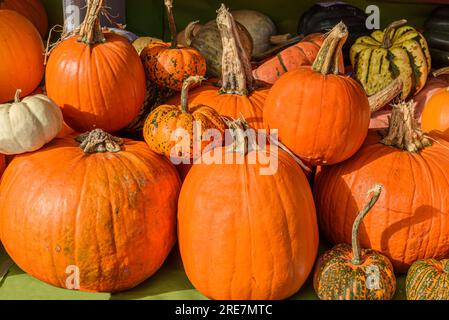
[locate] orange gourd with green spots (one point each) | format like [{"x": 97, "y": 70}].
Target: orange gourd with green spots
[
  {"x": 161, "y": 124},
  {"x": 428, "y": 279},
  {"x": 167, "y": 64}
]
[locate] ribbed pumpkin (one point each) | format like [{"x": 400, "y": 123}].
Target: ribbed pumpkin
[
  {"x": 33, "y": 10},
  {"x": 29, "y": 124},
  {"x": 96, "y": 78},
  {"x": 163, "y": 122},
  {"x": 428, "y": 279},
  {"x": 21, "y": 56},
  {"x": 349, "y": 273},
  {"x": 322, "y": 116},
  {"x": 399, "y": 51},
  {"x": 301, "y": 54},
  {"x": 409, "y": 221},
  {"x": 106, "y": 206},
  {"x": 435, "y": 116},
  {"x": 239, "y": 94},
  {"x": 245, "y": 235},
  {"x": 167, "y": 64}
]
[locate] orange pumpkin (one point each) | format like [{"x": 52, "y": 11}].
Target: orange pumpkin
[
  {"x": 33, "y": 10},
  {"x": 93, "y": 209},
  {"x": 165, "y": 120},
  {"x": 21, "y": 56},
  {"x": 410, "y": 220},
  {"x": 167, "y": 64},
  {"x": 96, "y": 78},
  {"x": 322, "y": 116},
  {"x": 435, "y": 116},
  {"x": 301, "y": 54},
  {"x": 239, "y": 94},
  {"x": 245, "y": 235}
]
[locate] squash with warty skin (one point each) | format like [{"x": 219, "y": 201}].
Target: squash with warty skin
[
  {"x": 99, "y": 205},
  {"x": 404, "y": 228},
  {"x": 399, "y": 51},
  {"x": 28, "y": 124},
  {"x": 428, "y": 279},
  {"x": 349, "y": 273}
]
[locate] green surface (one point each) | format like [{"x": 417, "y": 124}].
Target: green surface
[
  {"x": 146, "y": 17},
  {"x": 169, "y": 283}
]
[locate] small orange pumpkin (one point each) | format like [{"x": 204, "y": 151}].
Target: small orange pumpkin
[
  {"x": 321, "y": 115},
  {"x": 167, "y": 64},
  {"x": 161, "y": 124}
]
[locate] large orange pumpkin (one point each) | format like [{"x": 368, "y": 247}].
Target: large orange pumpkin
[
  {"x": 33, "y": 10},
  {"x": 239, "y": 94},
  {"x": 167, "y": 64},
  {"x": 21, "y": 56},
  {"x": 97, "y": 79},
  {"x": 103, "y": 210},
  {"x": 244, "y": 235},
  {"x": 410, "y": 221},
  {"x": 322, "y": 116},
  {"x": 435, "y": 116}
]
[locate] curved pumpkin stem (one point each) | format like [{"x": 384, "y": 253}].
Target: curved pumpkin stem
[
  {"x": 404, "y": 132},
  {"x": 328, "y": 58},
  {"x": 187, "y": 84},
  {"x": 237, "y": 77},
  {"x": 97, "y": 140},
  {"x": 356, "y": 251},
  {"x": 386, "y": 41},
  {"x": 440, "y": 72},
  {"x": 379, "y": 100},
  {"x": 17, "y": 96},
  {"x": 90, "y": 30},
  {"x": 171, "y": 23}
]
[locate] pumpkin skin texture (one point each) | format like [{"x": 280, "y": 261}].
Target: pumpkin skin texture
[
  {"x": 322, "y": 118},
  {"x": 408, "y": 223},
  {"x": 397, "y": 52},
  {"x": 428, "y": 280},
  {"x": 301, "y": 54},
  {"x": 28, "y": 124},
  {"x": 349, "y": 273},
  {"x": 90, "y": 80},
  {"x": 100, "y": 211},
  {"x": 238, "y": 214},
  {"x": 166, "y": 119},
  {"x": 33, "y": 10},
  {"x": 21, "y": 56}
]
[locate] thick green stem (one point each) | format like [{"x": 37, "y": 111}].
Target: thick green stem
[
  {"x": 386, "y": 41},
  {"x": 356, "y": 251},
  {"x": 97, "y": 141},
  {"x": 171, "y": 23},
  {"x": 90, "y": 30},
  {"x": 404, "y": 132},
  {"x": 328, "y": 58},
  {"x": 237, "y": 76},
  {"x": 188, "y": 83},
  {"x": 17, "y": 96}
]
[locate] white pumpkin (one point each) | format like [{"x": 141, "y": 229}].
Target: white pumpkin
[{"x": 29, "y": 124}]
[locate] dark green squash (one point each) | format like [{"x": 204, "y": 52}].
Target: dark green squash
[
  {"x": 428, "y": 279},
  {"x": 437, "y": 35},
  {"x": 349, "y": 273}
]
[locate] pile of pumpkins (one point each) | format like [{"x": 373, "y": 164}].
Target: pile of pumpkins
[{"x": 76, "y": 193}]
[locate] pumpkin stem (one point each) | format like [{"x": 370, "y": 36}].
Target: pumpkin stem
[
  {"x": 90, "y": 30},
  {"x": 187, "y": 84},
  {"x": 328, "y": 58},
  {"x": 97, "y": 140},
  {"x": 404, "y": 132},
  {"x": 241, "y": 143},
  {"x": 17, "y": 96},
  {"x": 389, "y": 32},
  {"x": 441, "y": 72},
  {"x": 379, "y": 100},
  {"x": 237, "y": 77},
  {"x": 171, "y": 23},
  {"x": 376, "y": 190},
  {"x": 191, "y": 30}
]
